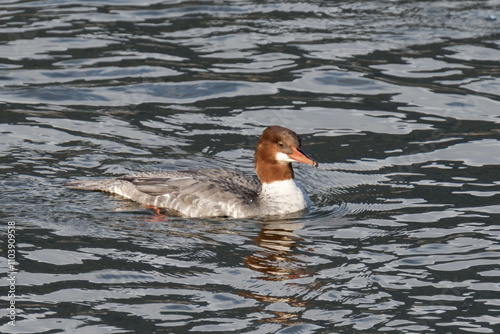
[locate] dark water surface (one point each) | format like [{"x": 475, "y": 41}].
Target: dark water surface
[{"x": 399, "y": 101}]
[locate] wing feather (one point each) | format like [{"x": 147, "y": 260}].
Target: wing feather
[
  {"x": 205, "y": 192},
  {"x": 200, "y": 183}
]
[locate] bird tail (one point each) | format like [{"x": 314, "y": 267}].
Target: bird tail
[{"x": 86, "y": 185}]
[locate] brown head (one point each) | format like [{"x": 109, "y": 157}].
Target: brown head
[{"x": 276, "y": 149}]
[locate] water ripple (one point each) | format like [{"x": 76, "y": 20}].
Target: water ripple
[{"x": 397, "y": 101}]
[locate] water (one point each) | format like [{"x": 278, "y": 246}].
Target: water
[{"x": 398, "y": 101}]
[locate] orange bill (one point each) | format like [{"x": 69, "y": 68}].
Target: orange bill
[{"x": 299, "y": 156}]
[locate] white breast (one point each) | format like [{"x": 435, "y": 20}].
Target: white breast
[{"x": 282, "y": 197}]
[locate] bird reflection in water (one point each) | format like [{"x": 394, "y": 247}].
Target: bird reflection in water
[
  {"x": 276, "y": 262},
  {"x": 273, "y": 259}
]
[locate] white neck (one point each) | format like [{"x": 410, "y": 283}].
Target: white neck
[{"x": 285, "y": 196}]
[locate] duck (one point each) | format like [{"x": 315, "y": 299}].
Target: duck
[{"x": 220, "y": 192}]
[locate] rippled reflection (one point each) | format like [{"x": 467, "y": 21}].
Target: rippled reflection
[
  {"x": 275, "y": 240},
  {"x": 398, "y": 101}
]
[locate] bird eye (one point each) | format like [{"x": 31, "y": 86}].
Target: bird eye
[{"x": 280, "y": 144}]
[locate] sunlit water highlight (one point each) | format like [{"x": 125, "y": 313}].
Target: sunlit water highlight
[{"x": 398, "y": 101}]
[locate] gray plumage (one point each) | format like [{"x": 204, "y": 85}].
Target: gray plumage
[{"x": 206, "y": 192}]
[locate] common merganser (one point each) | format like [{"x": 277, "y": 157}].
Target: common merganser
[{"x": 222, "y": 192}]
